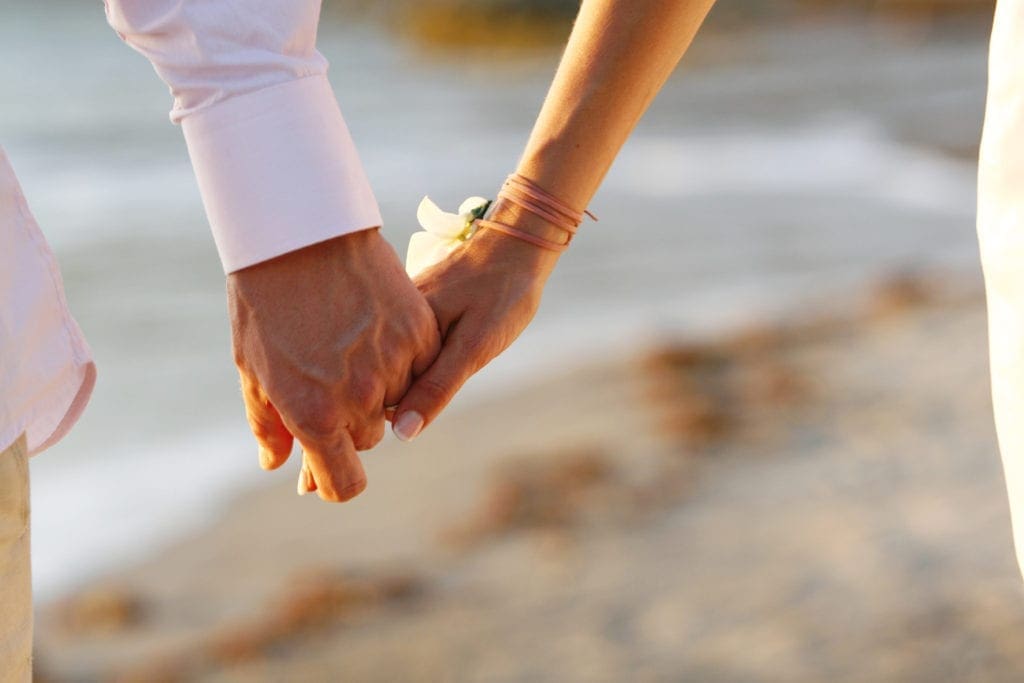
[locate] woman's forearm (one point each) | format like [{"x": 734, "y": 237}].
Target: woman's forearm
[{"x": 618, "y": 57}]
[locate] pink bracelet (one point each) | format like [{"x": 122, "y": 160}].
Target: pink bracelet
[
  {"x": 523, "y": 235},
  {"x": 525, "y": 193}
]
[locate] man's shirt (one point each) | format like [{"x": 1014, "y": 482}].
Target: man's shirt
[
  {"x": 46, "y": 369},
  {"x": 274, "y": 161},
  {"x": 276, "y": 166}
]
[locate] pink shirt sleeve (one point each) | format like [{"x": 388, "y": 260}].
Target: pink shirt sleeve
[{"x": 275, "y": 164}]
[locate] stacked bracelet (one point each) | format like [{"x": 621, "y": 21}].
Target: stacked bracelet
[{"x": 526, "y": 194}]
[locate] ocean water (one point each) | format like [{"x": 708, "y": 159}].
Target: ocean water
[{"x": 779, "y": 168}]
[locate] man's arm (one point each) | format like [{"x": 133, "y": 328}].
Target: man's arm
[{"x": 327, "y": 329}]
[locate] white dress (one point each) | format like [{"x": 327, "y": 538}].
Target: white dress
[{"x": 1001, "y": 236}]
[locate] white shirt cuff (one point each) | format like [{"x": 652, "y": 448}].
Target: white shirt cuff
[{"x": 278, "y": 171}]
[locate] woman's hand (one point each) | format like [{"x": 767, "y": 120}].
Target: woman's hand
[{"x": 483, "y": 295}]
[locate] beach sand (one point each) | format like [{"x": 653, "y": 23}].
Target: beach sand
[{"x": 817, "y": 499}]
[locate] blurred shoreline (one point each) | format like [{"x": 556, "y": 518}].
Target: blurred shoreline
[
  {"x": 706, "y": 510},
  {"x": 504, "y": 25}
]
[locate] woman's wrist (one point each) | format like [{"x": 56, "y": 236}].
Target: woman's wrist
[
  {"x": 519, "y": 218},
  {"x": 503, "y": 251}
]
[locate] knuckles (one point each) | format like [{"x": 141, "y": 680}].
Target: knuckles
[
  {"x": 315, "y": 417},
  {"x": 364, "y": 393},
  {"x": 368, "y": 436}
]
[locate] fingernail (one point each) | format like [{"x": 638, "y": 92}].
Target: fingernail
[
  {"x": 408, "y": 426},
  {"x": 303, "y": 485}
]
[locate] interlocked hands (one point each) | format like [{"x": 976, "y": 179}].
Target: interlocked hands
[{"x": 325, "y": 338}]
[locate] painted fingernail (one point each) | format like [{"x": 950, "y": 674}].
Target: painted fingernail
[{"x": 408, "y": 425}]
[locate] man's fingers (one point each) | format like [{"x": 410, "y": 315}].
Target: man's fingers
[
  {"x": 337, "y": 471},
  {"x": 428, "y": 353},
  {"x": 306, "y": 483},
  {"x": 398, "y": 386},
  {"x": 435, "y": 388},
  {"x": 369, "y": 432},
  {"x": 274, "y": 439}
]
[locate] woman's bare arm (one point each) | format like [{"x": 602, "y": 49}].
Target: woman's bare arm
[{"x": 619, "y": 55}]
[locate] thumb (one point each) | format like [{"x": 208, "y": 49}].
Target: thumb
[{"x": 434, "y": 389}]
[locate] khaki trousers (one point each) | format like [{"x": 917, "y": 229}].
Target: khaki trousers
[{"x": 15, "y": 575}]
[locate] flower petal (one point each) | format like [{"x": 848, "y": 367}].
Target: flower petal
[
  {"x": 472, "y": 203},
  {"x": 426, "y": 249},
  {"x": 438, "y": 222}
]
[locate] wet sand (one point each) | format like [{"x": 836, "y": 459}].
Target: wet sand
[{"x": 817, "y": 499}]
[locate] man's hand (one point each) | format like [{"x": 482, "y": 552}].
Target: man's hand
[{"x": 324, "y": 338}]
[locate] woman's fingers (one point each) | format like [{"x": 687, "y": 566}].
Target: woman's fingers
[
  {"x": 461, "y": 356},
  {"x": 274, "y": 439}
]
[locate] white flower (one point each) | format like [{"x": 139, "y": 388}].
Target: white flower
[{"x": 442, "y": 232}]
